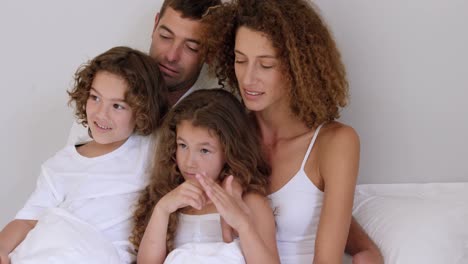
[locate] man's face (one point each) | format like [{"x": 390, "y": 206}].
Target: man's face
[{"x": 176, "y": 47}]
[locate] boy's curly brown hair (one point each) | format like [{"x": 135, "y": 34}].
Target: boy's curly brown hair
[
  {"x": 146, "y": 94},
  {"x": 304, "y": 45},
  {"x": 223, "y": 115}
]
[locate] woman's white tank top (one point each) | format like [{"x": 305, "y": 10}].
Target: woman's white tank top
[{"x": 297, "y": 207}]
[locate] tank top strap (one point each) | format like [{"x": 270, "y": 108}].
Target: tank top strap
[{"x": 309, "y": 149}]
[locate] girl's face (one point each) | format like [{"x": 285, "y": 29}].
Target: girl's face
[
  {"x": 109, "y": 117},
  {"x": 198, "y": 151},
  {"x": 262, "y": 84}
]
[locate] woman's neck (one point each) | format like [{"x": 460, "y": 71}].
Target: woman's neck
[{"x": 279, "y": 124}]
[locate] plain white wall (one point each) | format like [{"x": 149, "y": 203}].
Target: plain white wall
[
  {"x": 408, "y": 71},
  {"x": 42, "y": 45},
  {"x": 406, "y": 61}
]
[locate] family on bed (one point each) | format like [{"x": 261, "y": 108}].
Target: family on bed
[{"x": 178, "y": 172}]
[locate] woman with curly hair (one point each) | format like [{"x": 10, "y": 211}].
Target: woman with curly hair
[
  {"x": 207, "y": 139},
  {"x": 80, "y": 209},
  {"x": 282, "y": 60}
]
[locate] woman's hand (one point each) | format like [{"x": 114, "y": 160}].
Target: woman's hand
[
  {"x": 189, "y": 193},
  {"x": 4, "y": 259},
  {"x": 230, "y": 206},
  {"x": 368, "y": 257}
]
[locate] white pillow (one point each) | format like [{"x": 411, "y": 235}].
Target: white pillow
[{"x": 416, "y": 223}]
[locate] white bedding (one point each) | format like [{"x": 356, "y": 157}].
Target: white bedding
[
  {"x": 207, "y": 253},
  {"x": 416, "y": 223},
  {"x": 59, "y": 237}
]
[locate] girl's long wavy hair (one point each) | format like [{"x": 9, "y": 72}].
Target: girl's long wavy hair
[
  {"x": 222, "y": 114},
  {"x": 305, "y": 48}
]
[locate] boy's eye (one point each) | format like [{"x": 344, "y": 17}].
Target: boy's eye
[
  {"x": 118, "y": 107},
  {"x": 204, "y": 151},
  {"x": 93, "y": 97}
]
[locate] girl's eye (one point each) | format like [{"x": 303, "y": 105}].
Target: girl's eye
[
  {"x": 182, "y": 145},
  {"x": 204, "y": 151},
  {"x": 118, "y": 107},
  {"x": 239, "y": 61}
]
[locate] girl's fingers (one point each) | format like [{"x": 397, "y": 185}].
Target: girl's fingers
[
  {"x": 190, "y": 195},
  {"x": 210, "y": 188},
  {"x": 212, "y": 184},
  {"x": 229, "y": 184},
  {"x": 195, "y": 203}
]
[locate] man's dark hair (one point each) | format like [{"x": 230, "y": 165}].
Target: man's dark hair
[{"x": 193, "y": 9}]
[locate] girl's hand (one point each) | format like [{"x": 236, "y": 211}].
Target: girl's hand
[
  {"x": 228, "y": 232},
  {"x": 231, "y": 207},
  {"x": 188, "y": 193}
]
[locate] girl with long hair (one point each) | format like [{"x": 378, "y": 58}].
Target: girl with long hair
[{"x": 206, "y": 139}]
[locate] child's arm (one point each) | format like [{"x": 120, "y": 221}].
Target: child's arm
[
  {"x": 338, "y": 166},
  {"x": 264, "y": 225},
  {"x": 12, "y": 235},
  {"x": 253, "y": 220},
  {"x": 153, "y": 244}
]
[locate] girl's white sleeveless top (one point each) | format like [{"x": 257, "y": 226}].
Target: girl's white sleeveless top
[
  {"x": 199, "y": 240},
  {"x": 297, "y": 207},
  {"x": 198, "y": 228}
]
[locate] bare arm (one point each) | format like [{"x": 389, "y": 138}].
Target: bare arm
[
  {"x": 13, "y": 234},
  {"x": 361, "y": 247},
  {"x": 253, "y": 220},
  {"x": 338, "y": 167},
  {"x": 153, "y": 244},
  {"x": 260, "y": 236}
]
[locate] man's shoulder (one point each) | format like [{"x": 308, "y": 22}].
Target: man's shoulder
[{"x": 205, "y": 80}]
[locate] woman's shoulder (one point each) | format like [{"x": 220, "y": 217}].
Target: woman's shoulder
[
  {"x": 337, "y": 135},
  {"x": 337, "y": 141},
  {"x": 338, "y": 144}
]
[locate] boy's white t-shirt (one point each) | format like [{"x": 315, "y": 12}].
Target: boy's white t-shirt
[{"x": 101, "y": 191}]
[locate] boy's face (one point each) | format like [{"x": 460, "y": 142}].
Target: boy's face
[
  {"x": 109, "y": 117},
  {"x": 175, "y": 46}
]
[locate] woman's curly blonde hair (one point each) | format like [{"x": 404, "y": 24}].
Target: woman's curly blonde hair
[
  {"x": 146, "y": 94},
  {"x": 222, "y": 114},
  {"x": 304, "y": 46}
]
